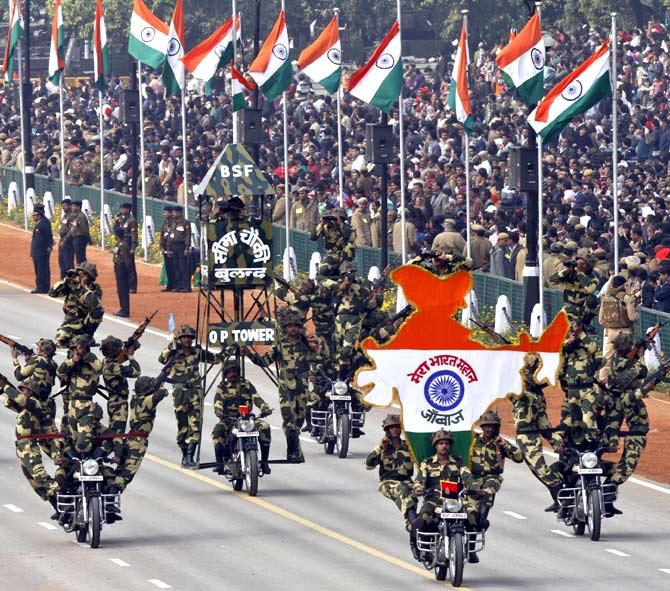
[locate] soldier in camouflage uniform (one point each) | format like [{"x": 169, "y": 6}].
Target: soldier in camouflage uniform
[
  {"x": 232, "y": 393},
  {"x": 529, "y": 412},
  {"x": 581, "y": 360},
  {"x": 30, "y": 421},
  {"x": 148, "y": 395},
  {"x": 80, "y": 373},
  {"x": 71, "y": 290},
  {"x": 41, "y": 369},
  {"x": 115, "y": 377},
  {"x": 441, "y": 263},
  {"x": 577, "y": 282},
  {"x": 298, "y": 359},
  {"x": 187, "y": 391},
  {"x": 338, "y": 237},
  {"x": 487, "y": 463},
  {"x": 90, "y": 300},
  {"x": 396, "y": 468}
]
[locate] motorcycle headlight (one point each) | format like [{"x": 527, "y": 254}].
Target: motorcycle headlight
[
  {"x": 247, "y": 425},
  {"x": 90, "y": 467},
  {"x": 589, "y": 460},
  {"x": 340, "y": 388},
  {"x": 454, "y": 505}
]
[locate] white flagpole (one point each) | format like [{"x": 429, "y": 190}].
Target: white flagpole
[
  {"x": 62, "y": 135},
  {"x": 340, "y": 159},
  {"x": 466, "y": 149},
  {"x": 286, "y": 185},
  {"x": 401, "y": 132},
  {"x": 23, "y": 151},
  {"x": 615, "y": 156},
  {"x": 101, "y": 124},
  {"x": 540, "y": 228},
  {"x": 232, "y": 87},
  {"x": 183, "y": 149},
  {"x": 145, "y": 239}
]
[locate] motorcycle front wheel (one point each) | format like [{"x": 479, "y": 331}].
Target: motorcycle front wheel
[
  {"x": 594, "y": 518},
  {"x": 251, "y": 473},
  {"x": 343, "y": 434},
  {"x": 94, "y": 521},
  {"x": 456, "y": 559}
]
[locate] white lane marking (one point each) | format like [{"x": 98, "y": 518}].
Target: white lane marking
[
  {"x": 46, "y": 525},
  {"x": 560, "y": 532},
  {"x": 14, "y": 337},
  {"x": 659, "y": 400},
  {"x": 13, "y": 508},
  {"x": 160, "y": 584},
  {"x": 665, "y": 570},
  {"x": 118, "y": 562},
  {"x": 651, "y": 485},
  {"x": 513, "y": 514},
  {"x": 616, "y": 552},
  {"x": 208, "y": 404}
]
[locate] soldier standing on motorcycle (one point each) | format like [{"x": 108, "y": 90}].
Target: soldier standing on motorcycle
[
  {"x": 90, "y": 300},
  {"x": 396, "y": 468},
  {"x": 338, "y": 237},
  {"x": 70, "y": 289},
  {"x": 487, "y": 463},
  {"x": 232, "y": 393},
  {"x": 439, "y": 467},
  {"x": 187, "y": 390},
  {"x": 442, "y": 263}
]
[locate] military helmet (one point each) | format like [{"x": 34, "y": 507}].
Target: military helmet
[
  {"x": 144, "y": 384},
  {"x": 442, "y": 434},
  {"x": 490, "y": 417},
  {"x": 111, "y": 346},
  {"x": 623, "y": 342},
  {"x": 47, "y": 346},
  {"x": 186, "y": 331},
  {"x": 347, "y": 267},
  {"x": 231, "y": 364},
  {"x": 97, "y": 411},
  {"x": 291, "y": 317},
  {"x": 89, "y": 268},
  {"x": 391, "y": 421},
  {"x": 31, "y": 386}
]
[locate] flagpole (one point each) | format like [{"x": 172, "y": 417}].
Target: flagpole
[
  {"x": 62, "y": 135},
  {"x": 102, "y": 173},
  {"x": 232, "y": 88},
  {"x": 340, "y": 163},
  {"x": 615, "y": 155},
  {"x": 23, "y": 149},
  {"x": 540, "y": 228},
  {"x": 401, "y": 132},
  {"x": 466, "y": 148},
  {"x": 287, "y": 272},
  {"x": 183, "y": 149},
  {"x": 145, "y": 238}
]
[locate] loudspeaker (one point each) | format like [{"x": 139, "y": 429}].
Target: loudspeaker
[
  {"x": 250, "y": 127},
  {"x": 129, "y": 106},
  {"x": 523, "y": 169},
  {"x": 379, "y": 143}
]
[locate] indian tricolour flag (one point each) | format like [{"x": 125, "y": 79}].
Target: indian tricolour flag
[
  {"x": 57, "y": 50},
  {"x": 322, "y": 60},
  {"x": 271, "y": 69},
  {"x": 239, "y": 84},
  {"x": 459, "y": 98},
  {"x": 379, "y": 82},
  {"x": 14, "y": 34},
  {"x": 522, "y": 61},
  {"x": 437, "y": 373},
  {"x": 102, "y": 61},
  {"x": 149, "y": 36},
  {"x": 575, "y": 94},
  {"x": 173, "y": 68},
  {"x": 213, "y": 53}
]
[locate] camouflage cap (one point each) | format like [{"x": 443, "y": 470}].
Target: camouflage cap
[
  {"x": 186, "y": 331},
  {"x": 31, "y": 386},
  {"x": 490, "y": 417},
  {"x": 231, "y": 364},
  {"x": 47, "y": 346},
  {"x": 111, "y": 346},
  {"x": 623, "y": 342},
  {"x": 391, "y": 421},
  {"x": 347, "y": 267},
  {"x": 441, "y": 435},
  {"x": 144, "y": 384},
  {"x": 89, "y": 268}
]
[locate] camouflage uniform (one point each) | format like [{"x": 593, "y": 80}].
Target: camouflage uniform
[
  {"x": 442, "y": 264},
  {"x": 531, "y": 422},
  {"x": 142, "y": 416},
  {"x": 90, "y": 308},
  {"x": 81, "y": 378},
  {"x": 30, "y": 420},
  {"x": 581, "y": 361},
  {"x": 576, "y": 289},
  {"x": 71, "y": 290},
  {"x": 339, "y": 241}
]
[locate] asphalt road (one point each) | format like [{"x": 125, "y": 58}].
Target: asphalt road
[{"x": 317, "y": 526}]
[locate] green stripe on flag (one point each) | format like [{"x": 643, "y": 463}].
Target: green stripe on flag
[
  {"x": 332, "y": 83},
  {"x": 145, "y": 54},
  {"x": 532, "y": 90},
  {"x": 239, "y": 102},
  {"x": 278, "y": 82},
  {"x": 421, "y": 445},
  {"x": 169, "y": 80},
  {"x": 388, "y": 92}
]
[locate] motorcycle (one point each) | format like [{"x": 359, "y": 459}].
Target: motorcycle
[
  {"x": 447, "y": 548},
  {"x": 244, "y": 468},
  {"x": 333, "y": 426},
  {"x": 582, "y": 502},
  {"x": 84, "y": 507}
]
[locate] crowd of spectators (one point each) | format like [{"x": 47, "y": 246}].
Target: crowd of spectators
[{"x": 578, "y": 179}]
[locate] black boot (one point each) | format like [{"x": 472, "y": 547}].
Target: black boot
[
  {"x": 218, "y": 454},
  {"x": 308, "y": 422},
  {"x": 483, "y": 521},
  {"x": 293, "y": 451},
  {"x": 555, "y": 506},
  {"x": 410, "y": 516},
  {"x": 265, "y": 455},
  {"x": 183, "y": 455},
  {"x": 54, "y": 504},
  {"x": 473, "y": 558},
  {"x": 189, "y": 461}
]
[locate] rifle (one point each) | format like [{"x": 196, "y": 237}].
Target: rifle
[
  {"x": 646, "y": 341},
  {"x": 283, "y": 283},
  {"x": 651, "y": 380},
  {"x": 134, "y": 339},
  {"x": 404, "y": 313},
  {"x": 22, "y": 349},
  {"x": 66, "y": 385},
  {"x": 492, "y": 333},
  {"x": 162, "y": 377}
]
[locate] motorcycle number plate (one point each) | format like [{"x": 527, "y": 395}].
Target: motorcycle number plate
[
  {"x": 338, "y": 397},
  {"x": 453, "y": 515},
  {"x": 247, "y": 433},
  {"x": 589, "y": 470},
  {"x": 96, "y": 478}
]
